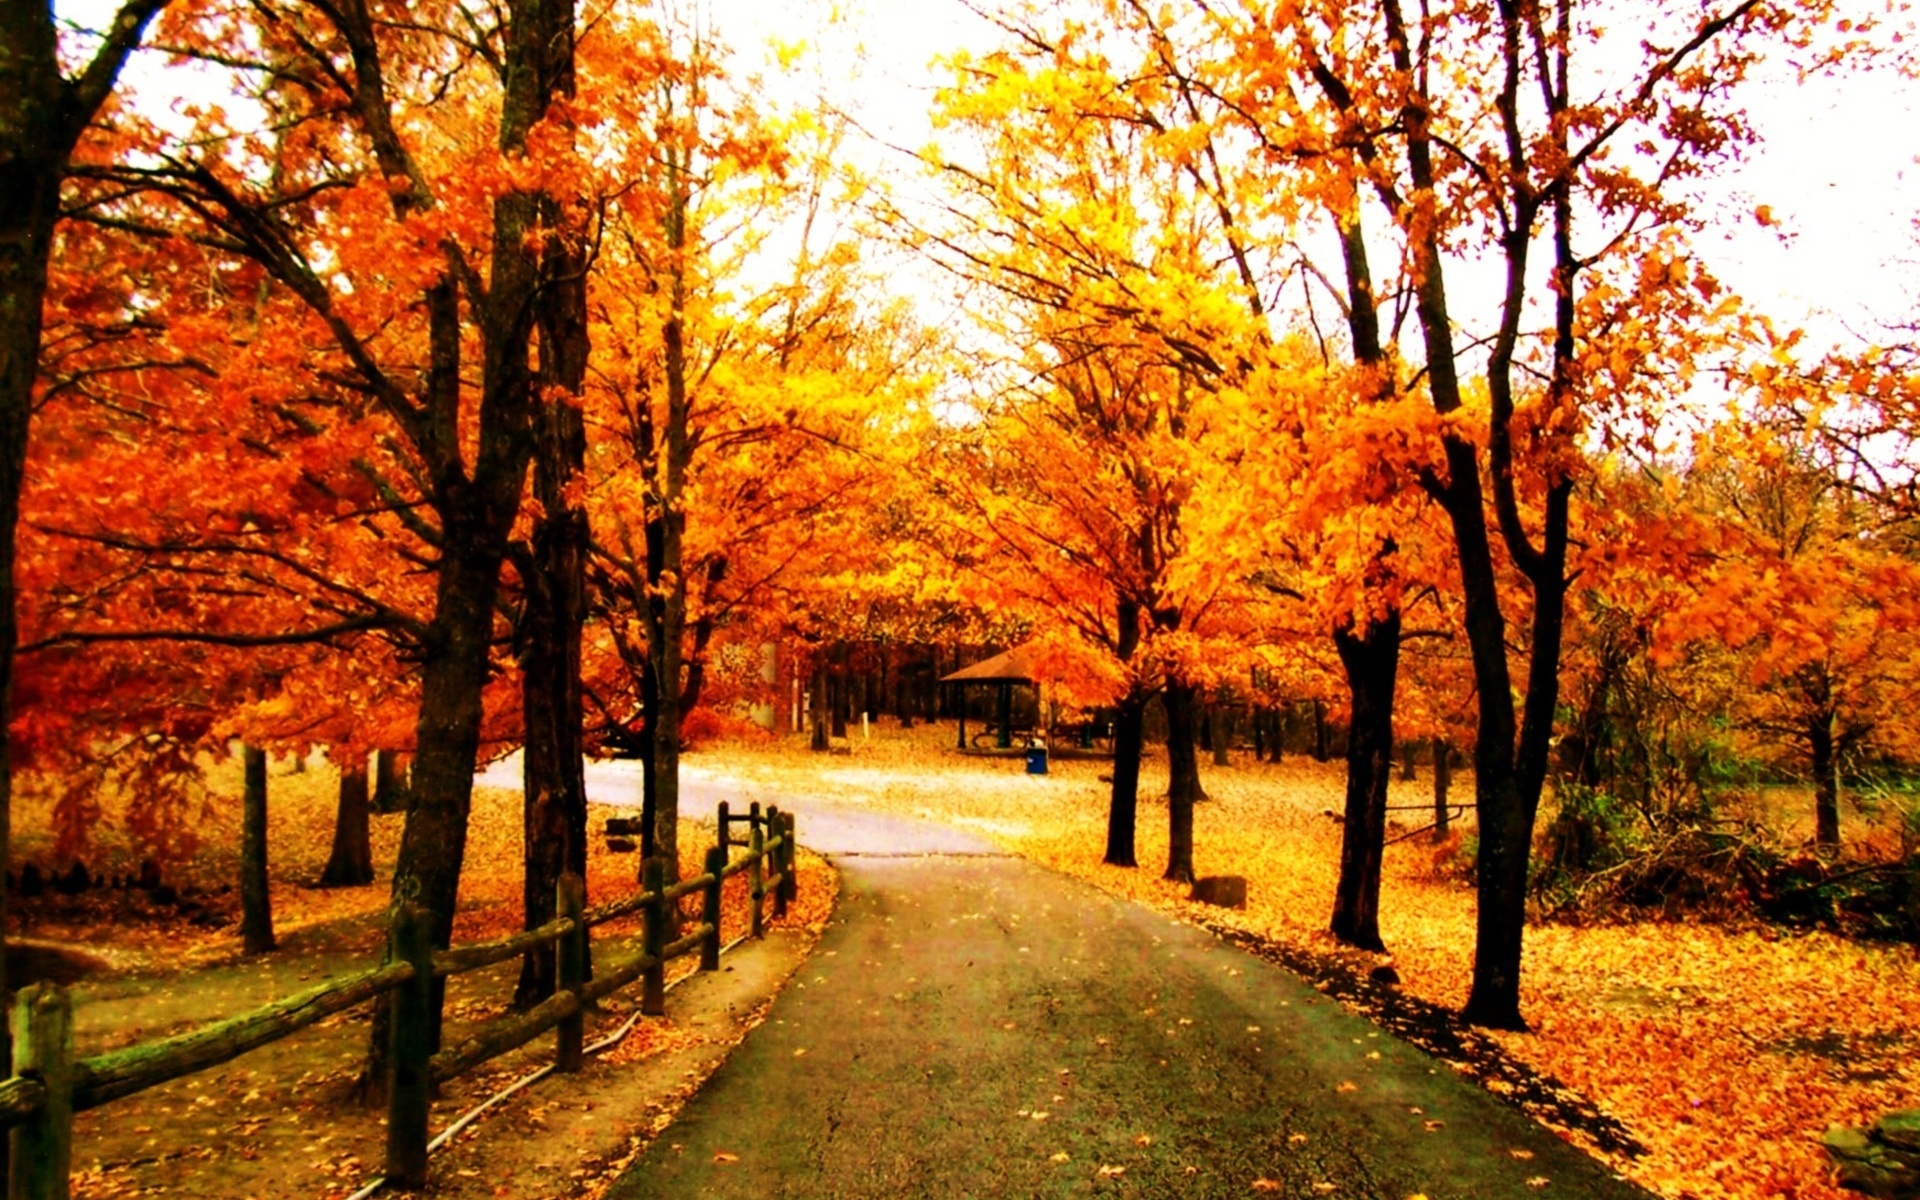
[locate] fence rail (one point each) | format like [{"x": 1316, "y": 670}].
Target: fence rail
[{"x": 49, "y": 1084}]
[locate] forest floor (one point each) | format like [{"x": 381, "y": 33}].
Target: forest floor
[
  {"x": 284, "y": 1122},
  {"x": 1702, "y": 1059}
]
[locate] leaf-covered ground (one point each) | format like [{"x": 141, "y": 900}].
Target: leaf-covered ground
[
  {"x": 282, "y": 1121},
  {"x": 1724, "y": 1051}
]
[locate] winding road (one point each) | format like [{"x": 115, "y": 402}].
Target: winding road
[{"x": 974, "y": 1025}]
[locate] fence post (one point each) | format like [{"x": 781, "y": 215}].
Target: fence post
[
  {"x": 410, "y": 1090},
  {"x": 724, "y": 820},
  {"x": 42, "y": 1148},
  {"x": 776, "y": 823},
  {"x": 710, "y": 906},
  {"x": 572, "y": 903},
  {"x": 756, "y": 873},
  {"x": 785, "y": 894},
  {"x": 653, "y": 991}
]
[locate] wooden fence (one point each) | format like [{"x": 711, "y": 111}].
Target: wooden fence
[{"x": 49, "y": 1084}]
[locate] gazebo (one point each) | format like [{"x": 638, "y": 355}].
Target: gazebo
[{"x": 1003, "y": 671}]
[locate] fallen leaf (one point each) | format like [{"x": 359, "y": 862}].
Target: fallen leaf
[
  {"x": 1538, "y": 1181},
  {"x": 1059, "y": 1157},
  {"x": 1143, "y": 1139},
  {"x": 1521, "y": 1154},
  {"x": 723, "y": 1157},
  {"x": 1109, "y": 1172},
  {"x": 1347, "y": 1086},
  {"x": 1266, "y": 1185}
]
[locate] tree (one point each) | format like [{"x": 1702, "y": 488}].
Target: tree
[
  {"x": 374, "y": 237},
  {"x": 738, "y": 394},
  {"x": 1071, "y": 497},
  {"x": 1464, "y": 129},
  {"x": 43, "y": 114},
  {"x": 350, "y": 861},
  {"x": 256, "y": 905}
]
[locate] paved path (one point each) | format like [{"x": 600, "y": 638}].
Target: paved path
[{"x": 972, "y": 1025}]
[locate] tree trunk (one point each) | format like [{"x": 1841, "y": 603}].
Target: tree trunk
[
  {"x": 433, "y": 842},
  {"x": 903, "y": 688},
  {"x": 1219, "y": 732},
  {"x": 1371, "y": 662},
  {"x": 256, "y": 903},
  {"x": 820, "y": 743},
  {"x": 1826, "y": 780},
  {"x": 1442, "y": 781},
  {"x": 1183, "y": 780},
  {"x": 351, "y": 862},
  {"x": 1409, "y": 766},
  {"x": 389, "y": 782},
  {"x": 1322, "y": 736},
  {"x": 649, "y": 802},
  {"x": 839, "y": 691},
  {"x": 554, "y": 793},
  {"x": 1123, "y": 809}
]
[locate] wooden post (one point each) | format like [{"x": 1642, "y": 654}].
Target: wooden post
[
  {"x": 790, "y": 854},
  {"x": 756, "y": 872},
  {"x": 723, "y": 820},
  {"x": 653, "y": 937},
  {"x": 776, "y": 822},
  {"x": 410, "y": 1090},
  {"x": 710, "y": 906},
  {"x": 571, "y": 902},
  {"x": 42, "y": 1149}
]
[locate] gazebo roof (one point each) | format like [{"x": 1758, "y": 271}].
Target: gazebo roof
[{"x": 1014, "y": 666}]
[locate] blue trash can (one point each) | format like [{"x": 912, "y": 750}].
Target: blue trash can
[{"x": 1036, "y": 760}]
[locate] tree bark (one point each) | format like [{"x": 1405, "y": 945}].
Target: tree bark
[
  {"x": 554, "y": 794},
  {"x": 389, "y": 782},
  {"x": 838, "y": 690},
  {"x": 1123, "y": 808},
  {"x": 256, "y": 903},
  {"x": 1219, "y": 732},
  {"x": 351, "y": 862},
  {"x": 1442, "y": 782},
  {"x": 1826, "y": 780},
  {"x": 1183, "y": 780},
  {"x": 817, "y": 709},
  {"x": 902, "y": 687},
  {"x": 1322, "y": 736},
  {"x": 1371, "y": 662},
  {"x": 649, "y": 710}
]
